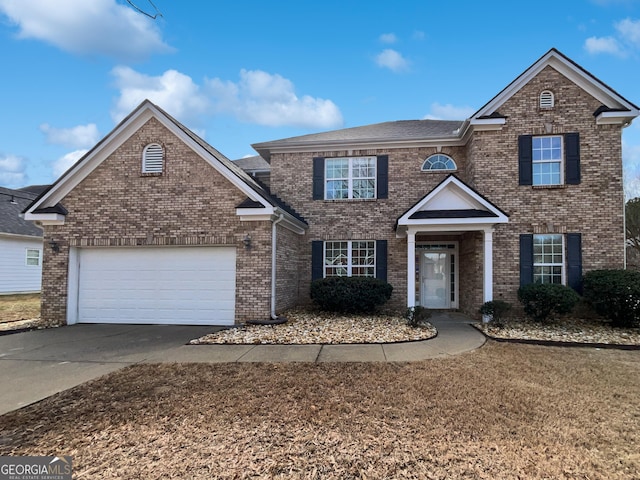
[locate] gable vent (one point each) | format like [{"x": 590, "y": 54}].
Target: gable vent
[
  {"x": 152, "y": 158},
  {"x": 546, "y": 99}
]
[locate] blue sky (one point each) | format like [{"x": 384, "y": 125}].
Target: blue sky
[{"x": 244, "y": 72}]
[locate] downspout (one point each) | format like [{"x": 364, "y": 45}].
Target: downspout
[{"x": 273, "y": 266}]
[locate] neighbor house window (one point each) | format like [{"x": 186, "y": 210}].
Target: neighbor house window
[
  {"x": 546, "y": 99},
  {"x": 33, "y": 257},
  {"x": 548, "y": 258},
  {"x": 438, "y": 162},
  {"x": 547, "y": 160},
  {"x": 152, "y": 158},
  {"x": 350, "y": 259},
  {"x": 350, "y": 178}
]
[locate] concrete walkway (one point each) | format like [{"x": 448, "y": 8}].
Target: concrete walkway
[
  {"x": 455, "y": 336},
  {"x": 40, "y": 363}
]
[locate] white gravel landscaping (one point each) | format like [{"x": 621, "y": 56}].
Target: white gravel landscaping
[
  {"x": 566, "y": 330},
  {"x": 308, "y": 327}
]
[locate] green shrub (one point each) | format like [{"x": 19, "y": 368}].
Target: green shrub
[
  {"x": 416, "y": 316},
  {"x": 614, "y": 294},
  {"x": 350, "y": 294},
  {"x": 496, "y": 309},
  {"x": 542, "y": 301}
]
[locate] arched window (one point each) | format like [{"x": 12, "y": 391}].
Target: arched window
[
  {"x": 546, "y": 99},
  {"x": 152, "y": 158},
  {"x": 438, "y": 162}
]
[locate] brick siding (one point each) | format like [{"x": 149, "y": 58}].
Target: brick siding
[
  {"x": 488, "y": 163},
  {"x": 189, "y": 204}
]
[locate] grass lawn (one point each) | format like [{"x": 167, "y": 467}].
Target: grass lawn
[
  {"x": 502, "y": 412},
  {"x": 19, "y": 307}
]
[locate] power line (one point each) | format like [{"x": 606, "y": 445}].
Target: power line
[{"x": 157, "y": 14}]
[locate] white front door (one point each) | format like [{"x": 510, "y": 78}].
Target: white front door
[{"x": 438, "y": 276}]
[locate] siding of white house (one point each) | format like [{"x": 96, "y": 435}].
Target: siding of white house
[{"x": 15, "y": 275}]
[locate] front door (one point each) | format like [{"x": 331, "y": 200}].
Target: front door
[{"x": 438, "y": 277}]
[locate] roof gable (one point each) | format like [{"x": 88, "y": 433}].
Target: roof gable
[
  {"x": 451, "y": 202},
  {"x": 123, "y": 131},
  {"x": 611, "y": 99}
]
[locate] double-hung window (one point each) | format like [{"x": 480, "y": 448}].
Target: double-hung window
[
  {"x": 551, "y": 258},
  {"x": 33, "y": 257},
  {"x": 350, "y": 258},
  {"x": 350, "y": 178},
  {"x": 548, "y": 258},
  {"x": 547, "y": 160}
]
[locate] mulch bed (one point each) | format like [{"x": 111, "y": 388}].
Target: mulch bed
[{"x": 501, "y": 412}]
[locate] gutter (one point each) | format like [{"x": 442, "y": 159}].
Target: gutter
[{"x": 273, "y": 265}]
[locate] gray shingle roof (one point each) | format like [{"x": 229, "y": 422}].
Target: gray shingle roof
[
  {"x": 253, "y": 164},
  {"x": 12, "y": 203},
  {"x": 237, "y": 170},
  {"x": 388, "y": 131}
]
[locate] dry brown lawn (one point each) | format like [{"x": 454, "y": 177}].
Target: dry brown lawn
[
  {"x": 502, "y": 412},
  {"x": 19, "y": 307}
]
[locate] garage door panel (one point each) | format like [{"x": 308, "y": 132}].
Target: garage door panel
[{"x": 181, "y": 285}]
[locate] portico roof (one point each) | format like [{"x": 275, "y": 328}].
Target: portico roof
[{"x": 452, "y": 205}]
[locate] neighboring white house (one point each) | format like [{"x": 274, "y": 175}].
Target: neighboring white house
[{"x": 20, "y": 243}]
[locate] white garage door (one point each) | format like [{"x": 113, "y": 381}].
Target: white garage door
[{"x": 181, "y": 285}]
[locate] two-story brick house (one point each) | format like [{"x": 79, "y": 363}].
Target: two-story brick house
[{"x": 154, "y": 225}]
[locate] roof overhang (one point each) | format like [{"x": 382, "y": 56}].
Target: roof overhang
[
  {"x": 458, "y": 138},
  {"x": 616, "y": 117},
  {"x": 17, "y": 236},
  {"x": 467, "y": 210},
  {"x": 271, "y": 214}
]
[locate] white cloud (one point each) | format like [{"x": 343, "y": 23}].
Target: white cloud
[
  {"x": 392, "y": 60},
  {"x": 596, "y": 45},
  {"x": 101, "y": 27},
  {"x": 258, "y": 97},
  {"x": 12, "y": 171},
  {"x": 626, "y": 39},
  {"x": 629, "y": 31},
  {"x": 388, "y": 38},
  {"x": 64, "y": 163},
  {"x": 173, "y": 91},
  {"x": 82, "y": 136},
  {"x": 448, "y": 112},
  {"x": 270, "y": 99}
]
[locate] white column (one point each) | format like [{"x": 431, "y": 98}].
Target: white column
[
  {"x": 488, "y": 267},
  {"x": 411, "y": 269}
]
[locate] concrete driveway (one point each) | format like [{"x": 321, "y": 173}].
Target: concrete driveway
[{"x": 39, "y": 363}]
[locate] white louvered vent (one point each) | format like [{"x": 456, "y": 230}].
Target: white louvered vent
[
  {"x": 152, "y": 158},
  {"x": 546, "y": 99}
]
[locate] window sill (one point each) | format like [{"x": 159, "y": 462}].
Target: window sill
[
  {"x": 549, "y": 187},
  {"x": 350, "y": 200},
  {"x": 151, "y": 174}
]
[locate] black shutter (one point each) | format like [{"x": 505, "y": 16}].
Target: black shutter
[
  {"x": 526, "y": 259},
  {"x": 317, "y": 258},
  {"x": 572, "y": 158},
  {"x": 381, "y": 260},
  {"x": 318, "y": 178},
  {"x": 383, "y": 176},
  {"x": 574, "y": 261},
  {"x": 525, "y": 159}
]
